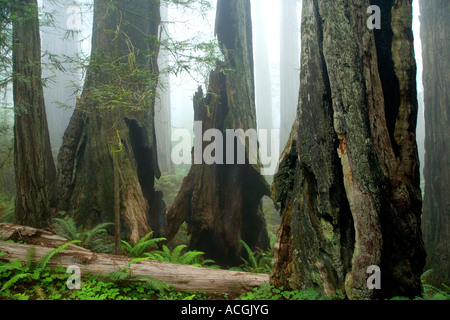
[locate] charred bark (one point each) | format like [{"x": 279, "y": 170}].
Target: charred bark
[
  {"x": 348, "y": 182},
  {"x": 222, "y": 202},
  {"x": 115, "y": 117}
]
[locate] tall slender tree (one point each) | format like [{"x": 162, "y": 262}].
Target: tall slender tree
[
  {"x": 348, "y": 182},
  {"x": 222, "y": 202},
  {"x": 436, "y": 208},
  {"x": 163, "y": 117},
  {"x": 58, "y": 42},
  {"x": 34, "y": 168},
  {"x": 263, "y": 87},
  {"x": 289, "y": 67},
  {"x": 109, "y": 148}
]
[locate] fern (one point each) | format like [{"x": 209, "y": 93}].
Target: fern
[
  {"x": 125, "y": 274},
  {"x": 142, "y": 246},
  {"x": 431, "y": 292},
  {"x": 42, "y": 263},
  {"x": 68, "y": 229},
  {"x": 189, "y": 258},
  {"x": 29, "y": 270},
  {"x": 257, "y": 263},
  {"x": 251, "y": 256}
]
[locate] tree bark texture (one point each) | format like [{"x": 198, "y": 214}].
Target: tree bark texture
[
  {"x": 124, "y": 38},
  {"x": 436, "y": 206},
  {"x": 34, "y": 168},
  {"x": 222, "y": 202},
  {"x": 348, "y": 179}
]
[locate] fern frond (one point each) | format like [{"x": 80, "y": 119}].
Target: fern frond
[
  {"x": 155, "y": 283},
  {"x": 42, "y": 263},
  {"x": 190, "y": 256},
  {"x": 251, "y": 256},
  {"x": 133, "y": 261},
  {"x": 30, "y": 257},
  {"x": 166, "y": 251},
  {"x": 14, "y": 279},
  {"x": 176, "y": 253},
  {"x": 154, "y": 256},
  {"x": 126, "y": 246},
  {"x": 425, "y": 275}
]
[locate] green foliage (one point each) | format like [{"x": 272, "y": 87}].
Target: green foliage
[
  {"x": 6, "y": 209},
  {"x": 28, "y": 271},
  {"x": 90, "y": 238},
  {"x": 270, "y": 292},
  {"x": 144, "y": 244},
  {"x": 194, "y": 257},
  {"x": 126, "y": 274},
  {"x": 257, "y": 262},
  {"x": 430, "y": 292},
  {"x": 170, "y": 184}
]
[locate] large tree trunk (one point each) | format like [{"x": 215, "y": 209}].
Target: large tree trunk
[
  {"x": 222, "y": 202},
  {"x": 34, "y": 168},
  {"x": 115, "y": 118},
  {"x": 436, "y": 207},
  {"x": 348, "y": 181}
]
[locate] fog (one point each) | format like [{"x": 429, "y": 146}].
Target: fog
[{"x": 65, "y": 84}]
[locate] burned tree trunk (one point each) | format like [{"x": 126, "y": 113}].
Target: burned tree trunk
[
  {"x": 221, "y": 202},
  {"x": 436, "y": 206},
  {"x": 34, "y": 168},
  {"x": 115, "y": 118},
  {"x": 348, "y": 181}
]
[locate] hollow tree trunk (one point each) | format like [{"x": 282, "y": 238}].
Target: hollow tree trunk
[
  {"x": 115, "y": 117},
  {"x": 436, "y": 206},
  {"x": 222, "y": 202},
  {"x": 34, "y": 168},
  {"x": 348, "y": 180}
]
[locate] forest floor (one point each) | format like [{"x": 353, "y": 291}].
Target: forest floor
[{"x": 23, "y": 280}]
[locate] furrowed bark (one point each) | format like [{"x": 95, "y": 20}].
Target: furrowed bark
[
  {"x": 34, "y": 168},
  {"x": 124, "y": 37},
  {"x": 436, "y": 206},
  {"x": 348, "y": 181}
]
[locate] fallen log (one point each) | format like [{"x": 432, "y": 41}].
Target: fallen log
[
  {"x": 33, "y": 236},
  {"x": 181, "y": 277}
]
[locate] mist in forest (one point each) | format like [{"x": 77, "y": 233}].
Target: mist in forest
[
  {"x": 68, "y": 35},
  {"x": 127, "y": 91}
]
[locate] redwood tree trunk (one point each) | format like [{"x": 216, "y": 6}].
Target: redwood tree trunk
[
  {"x": 289, "y": 66},
  {"x": 222, "y": 202},
  {"x": 348, "y": 181},
  {"x": 436, "y": 206},
  {"x": 34, "y": 168},
  {"x": 115, "y": 115}
]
